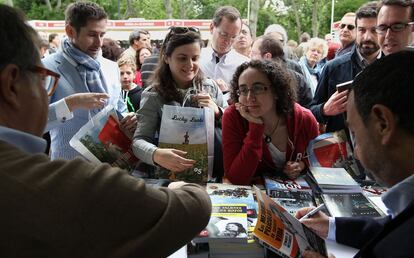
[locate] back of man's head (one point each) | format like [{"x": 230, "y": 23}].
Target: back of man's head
[
  {"x": 270, "y": 44},
  {"x": 401, "y": 3},
  {"x": 19, "y": 42},
  {"x": 388, "y": 82},
  {"x": 78, "y": 14},
  {"x": 278, "y": 29},
  {"x": 229, "y": 12}
]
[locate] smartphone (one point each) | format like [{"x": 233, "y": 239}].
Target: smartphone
[{"x": 344, "y": 86}]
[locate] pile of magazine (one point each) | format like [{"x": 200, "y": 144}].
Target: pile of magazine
[{"x": 233, "y": 218}]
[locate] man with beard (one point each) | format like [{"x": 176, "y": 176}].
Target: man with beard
[
  {"x": 346, "y": 34},
  {"x": 395, "y": 25},
  {"x": 329, "y": 104}
]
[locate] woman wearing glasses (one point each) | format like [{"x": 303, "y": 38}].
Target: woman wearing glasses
[
  {"x": 176, "y": 77},
  {"x": 265, "y": 130}
]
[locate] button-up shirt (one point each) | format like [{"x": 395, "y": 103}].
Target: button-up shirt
[{"x": 24, "y": 141}]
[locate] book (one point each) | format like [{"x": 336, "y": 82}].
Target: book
[
  {"x": 282, "y": 233},
  {"x": 228, "y": 223},
  {"x": 102, "y": 140},
  {"x": 334, "y": 180},
  {"x": 333, "y": 150},
  {"x": 234, "y": 194},
  {"x": 188, "y": 129},
  {"x": 350, "y": 205},
  {"x": 290, "y": 194}
]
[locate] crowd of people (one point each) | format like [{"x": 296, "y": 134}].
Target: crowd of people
[{"x": 269, "y": 96}]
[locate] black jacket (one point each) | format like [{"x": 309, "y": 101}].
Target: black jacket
[
  {"x": 379, "y": 237},
  {"x": 341, "y": 69}
]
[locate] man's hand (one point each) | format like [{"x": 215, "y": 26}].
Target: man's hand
[
  {"x": 244, "y": 112},
  {"x": 292, "y": 169},
  {"x": 129, "y": 124},
  {"x": 205, "y": 100},
  {"x": 319, "y": 223},
  {"x": 336, "y": 104},
  {"x": 86, "y": 101},
  {"x": 173, "y": 159}
]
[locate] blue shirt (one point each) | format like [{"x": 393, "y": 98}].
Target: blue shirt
[{"x": 24, "y": 141}]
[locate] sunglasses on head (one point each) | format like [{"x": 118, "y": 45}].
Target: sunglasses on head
[
  {"x": 179, "y": 30},
  {"x": 349, "y": 26}
]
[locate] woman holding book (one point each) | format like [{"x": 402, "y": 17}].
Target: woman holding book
[
  {"x": 265, "y": 130},
  {"x": 176, "y": 79}
]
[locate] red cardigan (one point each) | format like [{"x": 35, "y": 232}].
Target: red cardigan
[{"x": 245, "y": 153}]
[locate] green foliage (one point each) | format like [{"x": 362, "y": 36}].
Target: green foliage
[{"x": 204, "y": 9}]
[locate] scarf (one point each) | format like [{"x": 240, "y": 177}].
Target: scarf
[{"x": 89, "y": 69}]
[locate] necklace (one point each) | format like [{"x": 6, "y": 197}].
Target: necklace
[{"x": 268, "y": 138}]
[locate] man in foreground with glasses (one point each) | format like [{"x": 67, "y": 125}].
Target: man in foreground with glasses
[
  {"x": 73, "y": 208},
  {"x": 88, "y": 81},
  {"x": 328, "y": 103},
  {"x": 219, "y": 61},
  {"x": 395, "y": 25},
  {"x": 383, "y": 129},
  {"x": 347, "y": 34}
]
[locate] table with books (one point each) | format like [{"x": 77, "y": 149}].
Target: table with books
[{"x": 259, "y": 221}]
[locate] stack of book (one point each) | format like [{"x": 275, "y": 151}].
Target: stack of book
[
  {"x": 342, "y": 195},
  {"x": 290, "y": 194},
  {"x": 234, "y": 215}
]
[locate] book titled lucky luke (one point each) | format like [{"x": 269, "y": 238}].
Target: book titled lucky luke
[{"x": 191, "y": 130}]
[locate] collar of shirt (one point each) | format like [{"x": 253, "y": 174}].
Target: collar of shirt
[
  {"x": 362, "y": 61},
  {"x": 221, "y": 59},
  {"x": 398, "y": 197},
  {"x": 24, "y": 141}
]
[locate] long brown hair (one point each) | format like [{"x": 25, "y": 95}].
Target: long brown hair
[{"x": 162, "y": 79}]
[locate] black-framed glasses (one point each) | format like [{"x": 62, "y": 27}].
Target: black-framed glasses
[
  {"x": 256, "y": 89},
  {"x": 349, "y": 26},
  {"x": 395, "y": 27},
  {"x": 179, "y": 30},
  {"x": 50, "y": 79}
]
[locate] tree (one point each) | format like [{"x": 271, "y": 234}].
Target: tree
[{"x": 168, "y": 9}]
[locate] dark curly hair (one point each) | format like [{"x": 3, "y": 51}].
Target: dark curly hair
[
  {"x": 162, "y": 79},
  {"x": 281, "y": 83}
]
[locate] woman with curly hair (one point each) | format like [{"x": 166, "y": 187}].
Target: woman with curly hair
[
  {"x": 176, "y": 79},
  {"x": 265, "y": 130}
]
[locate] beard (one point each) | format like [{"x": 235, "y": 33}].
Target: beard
[{"x": 368, "y": 47}]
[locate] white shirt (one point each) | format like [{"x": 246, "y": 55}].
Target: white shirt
[{"x": 226, "y": 66}]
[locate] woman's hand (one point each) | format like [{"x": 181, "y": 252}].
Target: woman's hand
[
  {"x": 293, "y": 168},
  {"x": 173, "y": 159},
  {"x": 129, "y": 124},
  {"x": 205, "y": 100},
  {"x": 244, "y": 112}
]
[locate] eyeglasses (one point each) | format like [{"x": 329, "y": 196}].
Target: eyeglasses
[
  {"x": 49, "y": 78},
  {"x": 256, "y": 89},
  {"x": 349, "y": 26},
  {"x": 395, "y": 27},
  {"x": 225, "y": 35}
]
